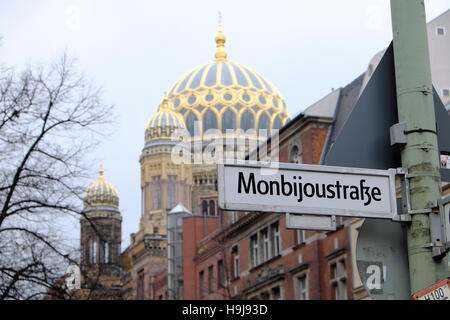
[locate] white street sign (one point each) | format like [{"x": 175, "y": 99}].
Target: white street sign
[
  {"x": 307, "y": 189},
  {"x": 310, "y": 222}
]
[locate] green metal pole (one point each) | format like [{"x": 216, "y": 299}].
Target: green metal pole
[{"x": 420, "y": 156}]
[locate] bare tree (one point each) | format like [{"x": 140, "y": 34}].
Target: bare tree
[{"x": 50, "y": 118}]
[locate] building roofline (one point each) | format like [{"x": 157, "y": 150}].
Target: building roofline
[{"x": 437, "y": 17}]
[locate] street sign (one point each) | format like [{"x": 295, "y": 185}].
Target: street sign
[
  {"x": 382, "y": 259},
  {"x": 310, "y": 222},
  {"x": 307, "y": 189},
  {"x": 438, "y": 291}
]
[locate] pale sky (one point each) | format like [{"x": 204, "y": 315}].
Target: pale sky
[{"x": 136, "y": 50}]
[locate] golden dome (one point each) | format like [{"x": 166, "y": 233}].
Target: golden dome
[
  {"x": 226, "y": 95},
  {"x": 101, "y": 193},
  {"x": 164, "y": 122}
]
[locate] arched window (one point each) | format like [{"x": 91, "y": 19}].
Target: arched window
[
  {"x": 191, "y": 122},
  {"x": 228, "y": 120},
  {"x": 247, "y": 121},
  {"x": 212, "y": 208},
  {"x": 171, "y": 191},
  {"x": 93, "y": 250},
  {"x": 264, "y": 123},
  {"x": 205, "y": 207},
  {"x": 106, "y": 258},
  {"x": 209, "y": 120},
  {"x": 157, "y": 194}
]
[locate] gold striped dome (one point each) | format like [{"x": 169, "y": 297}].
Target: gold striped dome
[
  {"x": 163, "y": 124},
  {"x": 101, "y": 193},
  {"x": 226, "y": 95}
]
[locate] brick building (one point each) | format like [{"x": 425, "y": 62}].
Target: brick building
[{"x": 254, "y": 256}]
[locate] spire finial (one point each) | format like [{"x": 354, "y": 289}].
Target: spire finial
[
  {"x": 221, "y": 54},
  {"x": 101, "y": 170},
  {"x": 165, "y": 101}
]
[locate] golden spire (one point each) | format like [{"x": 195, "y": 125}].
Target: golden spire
[
  {"x": 165, "y": 103},
  {"x": 221, "y": 54}
]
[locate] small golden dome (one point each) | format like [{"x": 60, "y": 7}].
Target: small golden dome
[
  {"x": 163, "y": 124},
  {"x": 101, "y": 193}
]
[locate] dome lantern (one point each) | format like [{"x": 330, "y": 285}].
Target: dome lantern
[{"x": 221, "y": 54}]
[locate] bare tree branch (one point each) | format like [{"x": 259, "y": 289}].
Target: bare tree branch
[{"x": 50, "y": 118}]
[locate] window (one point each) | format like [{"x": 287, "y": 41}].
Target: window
[
  {"x": 212, "y": 208},
  {"x": 440, "y": 31},
  {"x": 264, "y": 295},
  {"x": 143, "y": 200},
  {"x": 276, "y": 238},
  {"x": 205, "y": 207},
  {"x": 89, "y": 251},
  {"x": 211, "y": 279},
  {"x": 93, "y": 250},
  {"x": 156, "y": 192},
  {"x": 302, "y": 289},
  {"x": 106, "y": 251},
  {"x": 446, "y": 92},
  {"x": 338, "y": 279},
  {"x": 276, "y": 293},
  {"x": 235, "y": 260},
  {"x": 266, "y": 244},
  {"x": 220, "y": 274},
  {"x": 254, "y": 250},
  {"x": 202, "y": 283},
  {"x": 171, "y": 191}
]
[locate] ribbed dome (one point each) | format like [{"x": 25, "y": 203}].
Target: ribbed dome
[
  {"x": 101, "y": 193},
  {"x": 163, "y": 124},
  {"x": 227, "y": 95}
]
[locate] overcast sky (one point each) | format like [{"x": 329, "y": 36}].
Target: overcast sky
[{"x": 136, "y": 50}]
